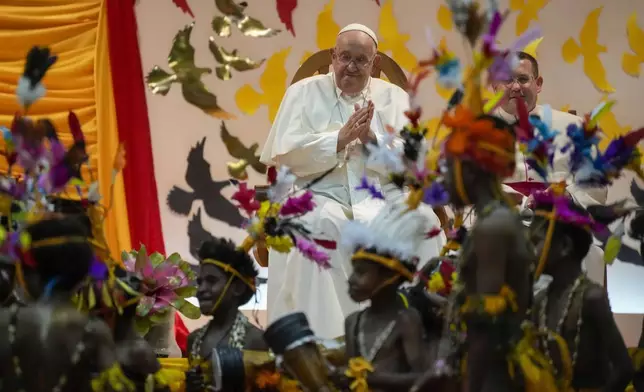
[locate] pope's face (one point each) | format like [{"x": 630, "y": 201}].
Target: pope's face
[
  {"x": 524, "y": 84},
  {"x": 353, "y": 58}
]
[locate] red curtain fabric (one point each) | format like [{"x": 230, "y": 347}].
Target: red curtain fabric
[
  {"x": 134, "y": 127},
  {"x": 134, "y": 132}
]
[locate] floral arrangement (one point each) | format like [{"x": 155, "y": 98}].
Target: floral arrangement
[
  {"x": 165, "y": 285},
  {"x": 275, "y": 220}
]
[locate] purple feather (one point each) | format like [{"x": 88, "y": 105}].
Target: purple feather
[{"x": 371, "y": 188}]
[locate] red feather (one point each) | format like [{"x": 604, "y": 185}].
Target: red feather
[
  {"x": 183, "y": 6},
  {"x": 326, "y": 244},
  {"x": 524, "y": 129},
  {"x": 285, "y": 10},
  {"x": 632, "y": 138},
  {"x": 75, "y": 127}
]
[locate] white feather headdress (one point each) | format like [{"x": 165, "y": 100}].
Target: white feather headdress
[{"x": 396, "y": 231}]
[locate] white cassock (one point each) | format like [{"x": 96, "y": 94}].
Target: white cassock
[
  {"x": 594, "y": 261},
  {"x": 304, "y": 138}
]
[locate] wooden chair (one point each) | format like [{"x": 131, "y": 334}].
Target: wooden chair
[{"x": 319, "y": 63}]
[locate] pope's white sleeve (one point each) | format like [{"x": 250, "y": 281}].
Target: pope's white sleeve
[{"x": 293, "y": 143}]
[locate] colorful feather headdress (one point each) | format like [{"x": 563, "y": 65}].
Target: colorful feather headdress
[
  {"x": 589, "y": 166},
  {"x": 473, "y": 135},
  {"x": 275, "y": 221},
  {"x": 391, "y": 239}
]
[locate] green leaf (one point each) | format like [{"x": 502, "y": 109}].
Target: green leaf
[
  {"x": 611, "y": 250},
  {"x": 142, "y": 325},
  {"x": 186, "y": 292},
  {"x": 141, "y": 259},
  {"x": 156, "y": 259},
  {"x": 175, "y": 258},
  {"x": 159, "y": 317},
  {"x": 187, "y": 309}
]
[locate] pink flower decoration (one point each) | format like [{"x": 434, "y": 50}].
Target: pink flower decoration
[
  {"x": 246, "y": 199},
  {"x": 312, "y": 252},
  {"x": 297, "y": 205}
]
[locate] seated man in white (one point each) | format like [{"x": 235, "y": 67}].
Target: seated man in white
[
  {"x": 321, "y": 123},
  {"x": 527, "y": 83}
]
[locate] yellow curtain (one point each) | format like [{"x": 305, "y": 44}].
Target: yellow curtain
[{"x": 76, "y": 31}]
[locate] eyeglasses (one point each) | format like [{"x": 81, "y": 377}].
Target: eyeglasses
[
  {"x": 521, "y": 79},
  {"x": 360, "y": 61}
]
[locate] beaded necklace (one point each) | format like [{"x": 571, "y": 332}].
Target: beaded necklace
[
  {"x": 236, "y": 339},
  {"x": 380, "y": 340},
  {"x": 75, "y": 358},
  {"x": 577, "y": 287}
]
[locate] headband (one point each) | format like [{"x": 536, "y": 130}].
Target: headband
[{"x": 231, "y": 270}]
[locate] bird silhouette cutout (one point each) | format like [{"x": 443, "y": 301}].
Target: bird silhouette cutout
[
  {"x": 237, "y": 150},
  {"x": 234, "y": 13},
  {"x": 589, "y": 49},
  {"x": 327, "y": 30},
  {"x": 565, "y": 108},
  {"x": 272, "y": 83},
  {"x": 182, "y": 62},
  {"x": 631, "y": 62},
  {"x": 204, "y": 188},
  {"x": 444, "y": 18},
  {"x": 197, "y": 235},
  {"x": 527, "y": 11},
  {"x": 392, "y": 40},
  {"x": 230, "y": 60}
]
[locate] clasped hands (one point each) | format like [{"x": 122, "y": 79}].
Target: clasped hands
[{"x": 358, "y": 127}]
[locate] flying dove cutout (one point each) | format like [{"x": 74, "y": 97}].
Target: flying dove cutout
[
  {"x": 272, "y": 83},
  {"x": 234, "y": 14},
  {"x": 527, "y": 11},
  {"x": 631, "y": 62},
  {"x": 589, "y": 49},
  {"x": 182, "y": 62},
  {"x": 327, "y": 30},
  {"x": 392, "y": 40},
  {"x": 228, "y": 60},
  {"x": 247, "y": 156}
]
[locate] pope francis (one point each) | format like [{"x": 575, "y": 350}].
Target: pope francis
[{"x": 322, "y": 123}]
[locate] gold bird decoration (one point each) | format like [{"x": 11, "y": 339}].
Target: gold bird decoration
[
  {"x": 237, "y": 150},
  {"x": 273, "y": 83},
  {"x": 589, "y": 49},
  {"x": 237, "y": 169},
  {"x": 230, "y": 60},
  {"x": 631, "y": 61},
  {"x": 393, "y": 40},
  {"x": 527, "y": 11},
  {"x": 234, "y": 14},
  {"x": 181, "y": 61}
]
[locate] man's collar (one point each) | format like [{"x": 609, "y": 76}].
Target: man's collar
[{"x": 511, "y": 118}]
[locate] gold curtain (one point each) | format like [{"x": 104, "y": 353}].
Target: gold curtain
[{"x": 76, "y": 31}]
